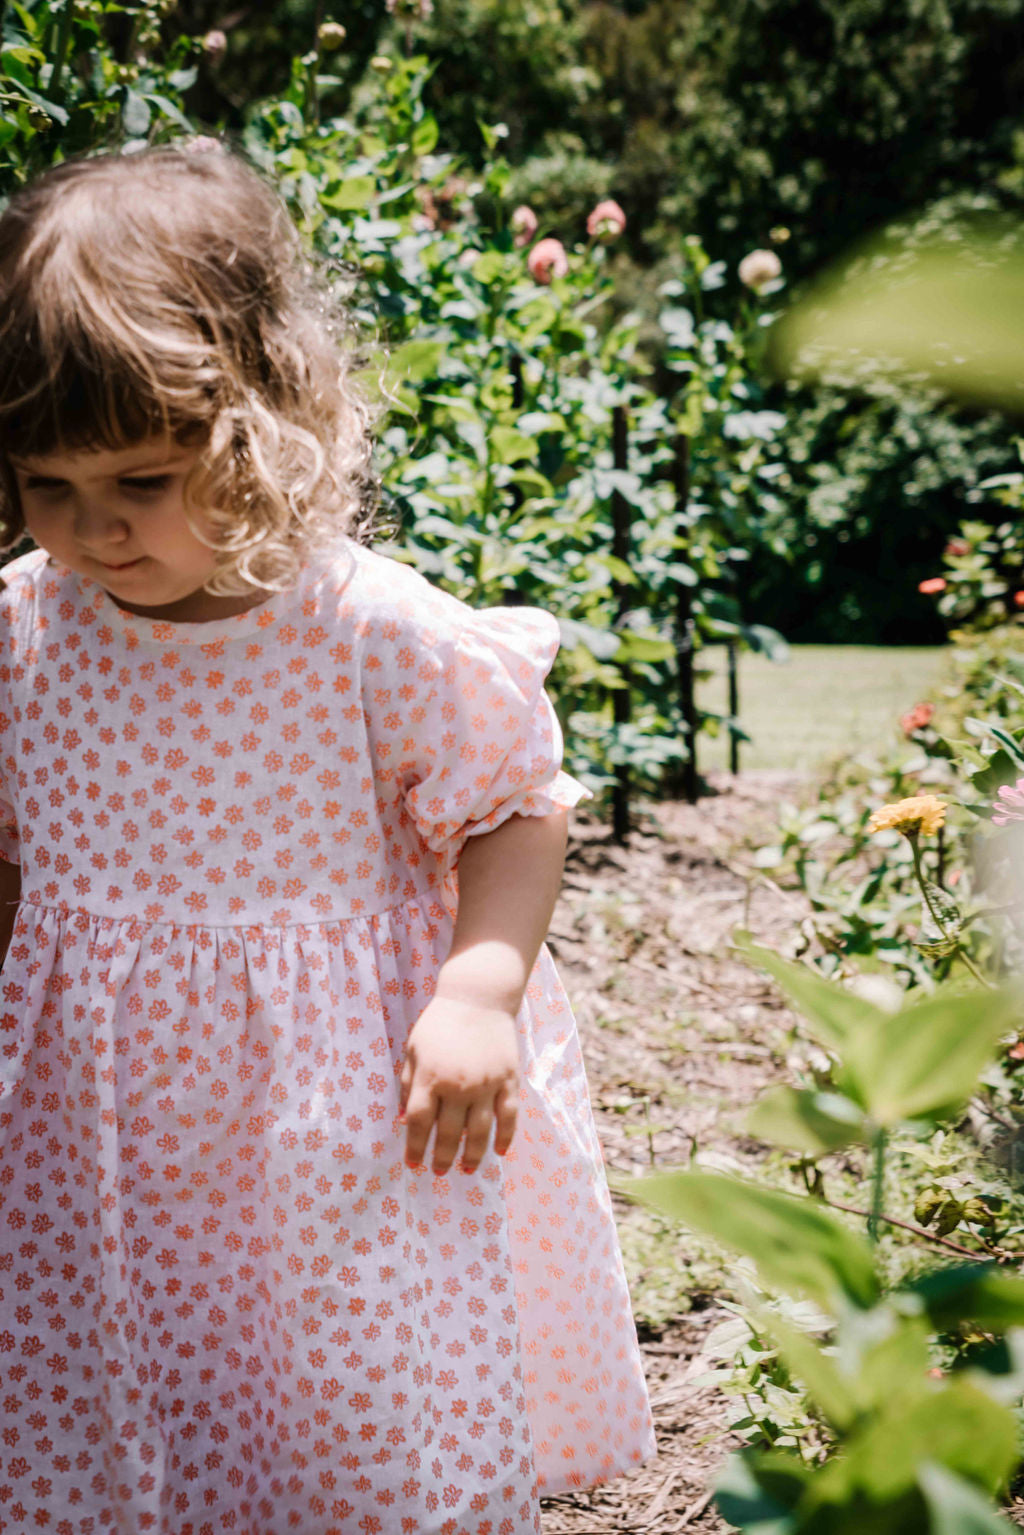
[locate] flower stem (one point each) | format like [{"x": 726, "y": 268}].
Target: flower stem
[
  {"x": 958, "y": 947},
  {"x": 875, "y": 1217}
]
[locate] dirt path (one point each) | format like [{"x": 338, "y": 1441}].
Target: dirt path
[{"x": 679, "y": 1038}]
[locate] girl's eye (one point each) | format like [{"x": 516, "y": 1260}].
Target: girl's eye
[{"x": 148, "y": 485}]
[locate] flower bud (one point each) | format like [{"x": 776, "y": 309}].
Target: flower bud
[
  {"x": 606, "y": 221},
  {"x": 547, "y": 260},
  {"x": 758, "y": 269},
  {"x": 381, "y": 64},
  {"x": 331, "y": 36},
  {"x": 524, "y": 223},
  {"x": 215, "y": 45}
]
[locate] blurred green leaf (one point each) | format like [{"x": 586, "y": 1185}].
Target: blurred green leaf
[
  {"x": 950, "y": 311},
  {"x": 807, "y": 1121},
  {"x": 795, "y": 1244}
]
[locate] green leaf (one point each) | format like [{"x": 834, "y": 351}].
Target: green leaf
[
  {"x": 983, "y": 728},
  {"x": 759, "y": 1491},
  {"x": 509, "y": 446},
  {"x": 835, "y": 1016},
  {"x": 979, "y": 1293},
  {"x": 807, "y": 1121},
  {"x": 489, "y": 266},
  {"x": 926, "y": 1058},
  {"x": 642, "y": 647},
  {"x": 818, "y": 1371},
  {"x": 956, "y": 1507},
  {"x": 424, "y": 136},
  {"x": 416, "y": 360},
  {"x": 958, "y": 1426},
  {"x": 136, "y": 113},
  {"x": 350, "y": 196},
  {"x": 169, "y": 109},
  {"x": 795, "y": 1244}
]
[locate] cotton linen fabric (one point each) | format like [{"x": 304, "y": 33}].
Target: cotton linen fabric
[{"x": 226, "y": 1304}]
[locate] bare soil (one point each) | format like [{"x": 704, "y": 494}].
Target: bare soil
[{"x": 680, "y": 1037}]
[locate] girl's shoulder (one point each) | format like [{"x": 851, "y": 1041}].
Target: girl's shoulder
[
  {"x": 30, "y": 583},
  {"x": 392, "y": 609},
  {"x": 25, "y": 574},
  {"x": 385, "y": 592}
]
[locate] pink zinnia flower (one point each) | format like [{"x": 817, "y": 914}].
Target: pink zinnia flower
[
  {"x": 917, "y": 718},
  {"x": 606, "y": 221},
  {"x": 524, "y": 222},
  {"x": 932, "y": 585},
  {"x": 1011, "y": 804},
  {"x": 547, "y": 260}
]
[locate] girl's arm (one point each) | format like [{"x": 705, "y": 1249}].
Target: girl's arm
[
  {"x": 461, "y": 1069},
  {"x": 10, "y": 895}
]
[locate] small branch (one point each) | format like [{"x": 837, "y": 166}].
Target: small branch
[{"x": 965, "y": 1252}]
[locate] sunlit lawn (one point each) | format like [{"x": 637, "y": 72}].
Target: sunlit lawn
[{"x": 825, "y": 699}]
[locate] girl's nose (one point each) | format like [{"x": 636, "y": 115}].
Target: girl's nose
[{"x": 96, "y": 525}]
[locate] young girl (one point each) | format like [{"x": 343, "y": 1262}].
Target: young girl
[{"x": 283, "y": 828}]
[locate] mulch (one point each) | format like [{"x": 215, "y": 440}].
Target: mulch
[{"x": 680, "y": 1037}]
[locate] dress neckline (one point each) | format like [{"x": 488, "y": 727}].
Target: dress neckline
[{"x": 255, "y": 622}]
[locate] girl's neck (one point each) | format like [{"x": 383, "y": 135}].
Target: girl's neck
[{"x": 199, "y": 607}]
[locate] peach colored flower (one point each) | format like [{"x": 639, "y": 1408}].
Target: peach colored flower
[
  {"x": 924, "y": 812},
  {"x": 606, "y": 221},
  {"x": 1018, "y": 599},
  {"x": 758, "y": 269},
  {"x": 547, "y": 260},
  {"x": 932, "y": 585},
  {"x": 524, "y": 222}
]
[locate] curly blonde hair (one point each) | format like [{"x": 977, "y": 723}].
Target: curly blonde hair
[{"x": 168, "y": 293}]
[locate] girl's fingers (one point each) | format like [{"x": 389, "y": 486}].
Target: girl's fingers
[
  {"x": 506, "y": 1108},
  {"x": 419, "y": 1121},
  {"x": 451, "y": 1122},
  {"x": 478, "y": 1133}
]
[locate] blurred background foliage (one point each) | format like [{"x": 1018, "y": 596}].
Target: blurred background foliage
[
  {"x": 818, "y": 118},
  {"x": 796, "y": 125}
]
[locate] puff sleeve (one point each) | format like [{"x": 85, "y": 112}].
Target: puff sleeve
[{"x": 490, "y": 745}]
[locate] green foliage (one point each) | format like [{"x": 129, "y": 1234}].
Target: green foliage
[
  {"x": 78, "y": 75},
  {"x": 897, "y": 1451}
]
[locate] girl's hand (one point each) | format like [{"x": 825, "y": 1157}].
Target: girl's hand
[{"x": 461, "y": 1071}]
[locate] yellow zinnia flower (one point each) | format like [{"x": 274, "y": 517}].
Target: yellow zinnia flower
[{"x": 925, "y": 812}]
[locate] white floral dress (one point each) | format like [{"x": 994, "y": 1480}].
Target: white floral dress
[{"x": 226, "y": 1303}]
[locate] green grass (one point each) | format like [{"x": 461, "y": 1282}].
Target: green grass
[{"x": 824, "y": 700}]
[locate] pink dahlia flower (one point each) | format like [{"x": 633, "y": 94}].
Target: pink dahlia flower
[
  {"x": 547, "y": 260},
  {"x": 1010, "y": 804},
  {"x": 606, "y": 221},
  {"x": 524, "y": 222}
]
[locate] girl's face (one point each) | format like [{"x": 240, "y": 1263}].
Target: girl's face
[{"x": 117, "y": 516}]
